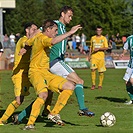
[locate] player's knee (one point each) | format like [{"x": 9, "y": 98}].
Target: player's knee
[
  {"x": 68, "y": 86},
  {"x": 80, "y": 81},
  {"x": 43, "y": 95},
  {"x": 131, "y": 81},
  {"x": 19, "y": 100}
]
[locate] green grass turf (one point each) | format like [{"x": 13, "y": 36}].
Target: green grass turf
[{"x": 111, "y": 98}]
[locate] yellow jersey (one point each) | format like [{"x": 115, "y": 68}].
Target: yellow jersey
[
  {"x": 21, "y": 62},
  {"x": 98, "y": 42},
  {"x": 40, "y": 51}
]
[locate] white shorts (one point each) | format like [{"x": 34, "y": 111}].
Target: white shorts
[
  {"x": 61, "y": 68},
  {"x": 128, "y": 74}
]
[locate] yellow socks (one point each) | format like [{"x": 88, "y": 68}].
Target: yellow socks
[
  {"x": 62, "y": 100},
  {"x": 9, "y": 111},
  {"x": 101, "y": 76},
  {"x": 93, "y": 77},
  {"x": 36, "y": 107}
]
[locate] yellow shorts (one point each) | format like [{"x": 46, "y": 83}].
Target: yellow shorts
[
  {"x": 43, "y": 80},
  {"x": 21, "y": 83},
  {"x": 98, "y": 64}
]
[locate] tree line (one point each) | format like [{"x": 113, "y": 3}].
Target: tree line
[{"x": 115, "y": 16}]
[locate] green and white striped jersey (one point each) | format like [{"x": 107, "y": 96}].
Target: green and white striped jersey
[
  {"x": 58, "y": 50},
  {"x": 129, "y": 45}
]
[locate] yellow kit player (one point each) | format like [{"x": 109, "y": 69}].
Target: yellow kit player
[
  {"x": 20, "y": 73},
  {"x": 96, "y": 57},
  {"x": 40, "y": 76}
]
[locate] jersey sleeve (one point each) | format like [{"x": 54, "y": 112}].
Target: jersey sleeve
[
  {"x": 46, "y": 41},
  {"x": 105, "y": 43}
]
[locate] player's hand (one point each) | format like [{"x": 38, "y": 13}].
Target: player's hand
[
  {"x": 18, "y": 100},
  {"x": 75, "y": 28},
  {"x": 34, "y": 33},
  {"x": 89, "y": 58},
  {"x": 22, "y": 51}
]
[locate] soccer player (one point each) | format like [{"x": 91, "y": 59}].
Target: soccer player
[
  {"x": 96, "y": 57},
  {"x": 59, "y": 67},
  {"x": 128, "y": 77},
  {"x": 20, "y": 73},
  {"x": 40, "y": 76}
]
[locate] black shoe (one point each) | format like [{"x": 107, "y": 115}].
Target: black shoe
[
  {"x": 15, "y": 119},
  {"x": 86, "y": 112}
]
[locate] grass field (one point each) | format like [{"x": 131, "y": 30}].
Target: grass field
[{"x": 111, "y": 98}]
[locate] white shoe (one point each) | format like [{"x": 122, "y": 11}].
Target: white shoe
[
  {"x": 129, "y": 103},
  {"x": 29, "y": 127},
  {"x": 56, "y": 119}
]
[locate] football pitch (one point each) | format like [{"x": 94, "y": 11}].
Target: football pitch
[{"x": 110, "y": 99}]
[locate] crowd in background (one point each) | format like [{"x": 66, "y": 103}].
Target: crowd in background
[
  {"x": 9, "y": 41},
  {"x": 76, "y": 42},
  {"x": 79, "y": 42},
  {"x": 9, "y": 44}
]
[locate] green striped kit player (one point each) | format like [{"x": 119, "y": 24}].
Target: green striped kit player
[
  {"x": 59, "y": 67},
  {"x": 128, "y": 77}
]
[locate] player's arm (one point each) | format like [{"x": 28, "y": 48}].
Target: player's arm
[
  {"x": 29, "y": 42},
  {"x": 123, "y": 53},
  {"x": 100, "y": 49},
  {"x": 125, "y": 49},
  {"x": 103, "y": 48},
  {"x": 59, "y": 38}
]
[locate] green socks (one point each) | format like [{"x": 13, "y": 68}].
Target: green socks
[
  {"x": 80, "y": 95},
  {"x": 25, "y": 112}
]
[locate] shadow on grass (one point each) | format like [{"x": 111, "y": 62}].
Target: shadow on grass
[
  {"x": 113, "y": 99},
  {"x": 39, "y": 119},
  {"x": 85, "y": 87},
  {"x": 99, "y": 125},
  {"x": 52, "y": 124}
]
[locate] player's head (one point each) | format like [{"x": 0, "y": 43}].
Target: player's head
[
  {"x": 29, "y": 28},
  {"x": 66, "y": 14},
  {"x": 99, "y": 30},
  {"x": 49, "y": 27}
]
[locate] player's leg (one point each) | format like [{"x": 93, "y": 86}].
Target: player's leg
[
  {"x": 101, "y": 77},
  {"x": 93, "y": 67},
  {"x": 93, "y": 78},
  {"x": 79, "y": 92},
  {"x": 64, "y": 70},
  {"x": 101, "y": 70},
  {"x": 17, "y": 118},
  {"x": 10, "y": 109},
  {"x": 59, "y": 83},
  {"x": 48, "y": 102},
  {"x": 129, "y": 88},
  {"x": 41, "y": 90},
  {"x": 17, "y": 81}
]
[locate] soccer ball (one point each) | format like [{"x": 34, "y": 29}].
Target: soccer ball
[{"x": 107, "y": 119}]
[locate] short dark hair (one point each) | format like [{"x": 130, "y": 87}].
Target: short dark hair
[
  {"x": 28, "y": 24},
  {"x": 99, "y": 27},
  {"x": 65, "y": 9},
  {"x": 48, "y": 24}
]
